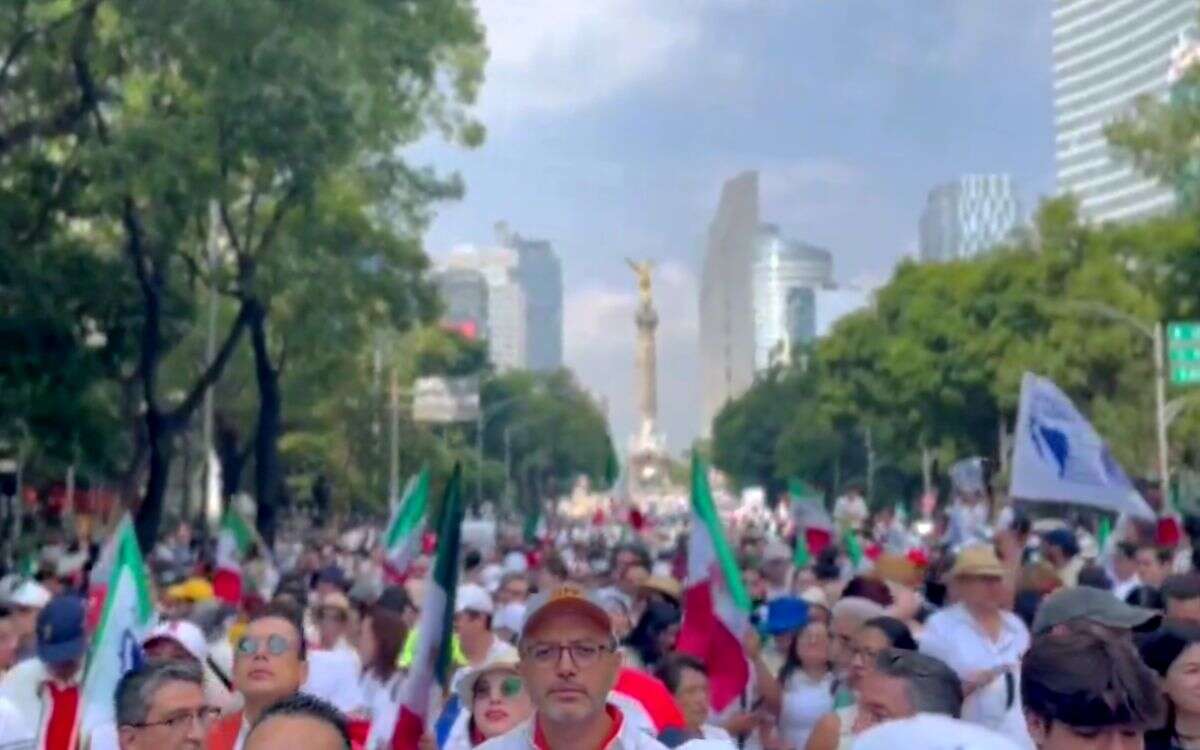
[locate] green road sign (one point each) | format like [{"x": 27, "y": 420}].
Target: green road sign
[
  {"x": 1185, "y": 374},
  {"x": 1184, "y": 355},
  {"x": 1183, "y": 333}
]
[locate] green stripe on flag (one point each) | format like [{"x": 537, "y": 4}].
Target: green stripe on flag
[
  {"x": 445, "y": 568},
  {"x": 128, "y": 559},
  {"x": 801, "y": 557},
  {"x": 702, "y": 503},
  {"x": 233, "y": 523},
  {"x": 412, "y": 509},
  {"x": 854, "y": 550}
]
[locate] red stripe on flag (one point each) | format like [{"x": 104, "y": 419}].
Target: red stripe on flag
[
  {"x": 706, "y": 637},
  {"x": 409, "y": 728}
]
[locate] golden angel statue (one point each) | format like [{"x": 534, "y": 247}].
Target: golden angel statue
[{"x": 643, "y": 269}]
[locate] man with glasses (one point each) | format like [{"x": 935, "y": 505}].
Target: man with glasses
[
  {"x": 161, "y": 706},
  {"x": 569, "y": 663},
  {"x": 903, "y": 684},
  {"x": 269, "y": 665}
]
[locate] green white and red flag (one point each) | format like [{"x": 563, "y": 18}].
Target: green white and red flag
[
  {"x": 127, "y": 615},
  {"x": 236, "y": 539},
  {"x": 432, "y": 658},
  {"x": 716, "y": 608},
  {"x": 402, "y": 538}
]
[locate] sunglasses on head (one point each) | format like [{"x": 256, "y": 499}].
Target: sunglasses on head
[
  {"x": 510, "y": 687},
  {"x": 276, "y": 645}
]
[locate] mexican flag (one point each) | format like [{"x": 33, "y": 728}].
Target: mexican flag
[
  {"x": 102, "y": 571},
  {"x": 116, "y": 645},
  {"x": 402, "y": 539},
  {"x": 814, "y": 526},
  {"x": 432, "y": 661},
  {"x": 716, "y": 609},
  {"x": 235, "y": 540}
]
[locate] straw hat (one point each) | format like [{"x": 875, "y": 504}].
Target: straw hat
[{"x": 979, "y": 560}]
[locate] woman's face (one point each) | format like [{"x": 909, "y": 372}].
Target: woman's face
[
  {"x": 500, "y": 702},
  {"x": 812, "y": 646},
  {"x": 868, "y": 644},
  {"x": 1182, "y": 683},
  {"x": 692, "y": 697}
]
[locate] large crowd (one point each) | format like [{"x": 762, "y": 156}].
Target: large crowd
[{"x": 984, "y": 628}]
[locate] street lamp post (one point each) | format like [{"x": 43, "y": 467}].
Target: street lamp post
[{"x": 480, "y": 425}]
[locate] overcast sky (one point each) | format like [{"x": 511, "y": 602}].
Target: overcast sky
[{"x": 613, "y": 123}]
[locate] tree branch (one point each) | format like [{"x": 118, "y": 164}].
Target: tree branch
[{"x": 180, "y": 414}]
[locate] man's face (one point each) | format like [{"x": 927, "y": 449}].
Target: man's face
[
  {"x": 776, "y": 571},
  {"x": 1058, "y": 736},
  {"x": 1184, "y": 609},
  {"x": 564, "y": 689},
  {"x": 470, "y": 624},
  {"x": 882, "y": 698},
  {"x": 65, "y": 671},
  {"x": 291, "y": 732},
  {"x": 692, "y": 697},
  {"x": 513, "y": 590},
  {"x": 1124, "y": 567},
  {"x": 332, "y": 625},
  {"x": 980, "y": 592},
  {"x": 841, "y": 647},
  {"x": 177, "y": 718},
  {"x": 267, "y": 665},
  {"x": 632, "y": 579},
  {"x": 1149, "y": 569}
]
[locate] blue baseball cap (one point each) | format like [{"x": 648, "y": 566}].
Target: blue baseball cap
[
  {"x": 60, "y": 634},
  {"x": 784, "y": 615}
]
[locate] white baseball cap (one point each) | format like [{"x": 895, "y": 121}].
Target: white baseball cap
[
  {"x": 510, "y": 617},
  {"x": 30, "y": 594},
  {"x": 931, "y": 732},
  {"x": 474, "y": 598},
  {"x": 182, "y": 632}
]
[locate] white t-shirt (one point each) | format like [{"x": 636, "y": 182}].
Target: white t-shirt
[{"x": 805, "y": 701}]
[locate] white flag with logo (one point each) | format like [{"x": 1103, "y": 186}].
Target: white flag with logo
[
  {"x": 116, "y": 644},
  {"x": 1059, "y": 457}
]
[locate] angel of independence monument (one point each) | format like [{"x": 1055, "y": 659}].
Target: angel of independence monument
[{"x": 647, "y": 446}]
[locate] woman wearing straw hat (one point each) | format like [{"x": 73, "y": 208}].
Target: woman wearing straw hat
[{"x": 982, "y": 642}]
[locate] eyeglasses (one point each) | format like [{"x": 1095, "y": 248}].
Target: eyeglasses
[
  {"x": 583, "y": 654},
  {"x": 276, "y": 645},
  {"x": 510, "y": 687},
  {"x": 332, "y": 613},
  {"x": 204, "y": 716}
]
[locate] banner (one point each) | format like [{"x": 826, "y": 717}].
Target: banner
[
  {"x": 1059, "y": 457},
  {"x": 446, "y": 400}
]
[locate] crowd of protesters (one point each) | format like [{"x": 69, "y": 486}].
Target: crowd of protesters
[{"x": 987, "y": 629}]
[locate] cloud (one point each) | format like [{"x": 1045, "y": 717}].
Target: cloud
[
  {"x": 600, "y": 340},
  {"x": 550, "y": 56}
]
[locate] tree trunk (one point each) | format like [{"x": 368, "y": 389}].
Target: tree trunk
[
  {"x": 270, "y": 425},
  {"x": 231, "y": 455}
]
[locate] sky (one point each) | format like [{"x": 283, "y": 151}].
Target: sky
[{"x": 613, "y": 123}]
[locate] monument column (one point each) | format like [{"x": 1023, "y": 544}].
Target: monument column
[{"x": 647, "y": 365}]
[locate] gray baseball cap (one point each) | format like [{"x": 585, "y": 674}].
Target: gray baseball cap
[{"x": 1087, "y": 603}]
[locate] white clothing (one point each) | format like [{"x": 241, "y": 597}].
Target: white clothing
[
  {"x": 805, "y": 701},
  {"x": 333, "y": 676},
  {"x": 953, "y": 636},
  {"x": 1122, "y": 589},
  {"x": 628, "y": 737},
  {"x": 931, "y": 732},
  {"x": 23, "y": 687},
  {"x": 15, "y": 731},
  {"x": 850, "y": 512},
  {"x": 714, "y": 732}
]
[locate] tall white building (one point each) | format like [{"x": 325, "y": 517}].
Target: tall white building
[
  {"x": 1106, "y": 54},
  {"x": 506, "y": 329},
  {"x": 968, "y": 216},
  {"x": 786, "y": 276}
]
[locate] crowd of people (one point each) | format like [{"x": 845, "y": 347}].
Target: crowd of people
[{"x": 989, "y": 630}]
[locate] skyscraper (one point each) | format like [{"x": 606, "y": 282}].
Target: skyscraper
[
  {"x": 464, "y": 294},
  {"x": 539, "y": 273},
  {"x": 968, "y": 216},
  {"x": 1106, "y": 54},
  {"x": 506, "y": 309},
  {"x": 726, "y": 298},
  {"x": 786, "y": 277}
]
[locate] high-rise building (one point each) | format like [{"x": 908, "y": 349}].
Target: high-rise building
[
  {"x": 506, "y": 313},
  {"x": 726, "y": 298},
  {"x": 968, "y": 216},
  {"x": 539, "y": 274},
  {"x": 1106, "y": 54},
  {"x": 786, "y": 276},
  {"x": 464, "y": 294}
]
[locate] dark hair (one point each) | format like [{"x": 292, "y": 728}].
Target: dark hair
[
  {"x": 553, "y": 564},
  {"x": 1162, "y": 554},
  {"x": 1146, "y": 596},
  {"x": 282, "y": 611},
  {"x": 1181, "y": 586},
  {"x": 826, "y": 567},
  {"x": 1128, "y": 550},
  {"x": 1084, "y": 680},
  {"x": 395, "y": 599},
  {"x": 1094, "y": 577},
  {"x": 1159, "y": 651},
  {"x": 933, "y": 687},
  {"x": 472, "y": 559},
  {"x": 309, "y": 707},
  {"x": 670, "y": 669},
  {"x": 135, "y": 690},
  {"x": 898, "y": 634},
  {"x": 390, "y": 633},
  {"x": 869, "y": 588},
  {"x": 637, "y": 549},
  {"x": 791, "y": 661},
  {"x": 643, "y": 639},
  {"x": 1021, "y": 525}
]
